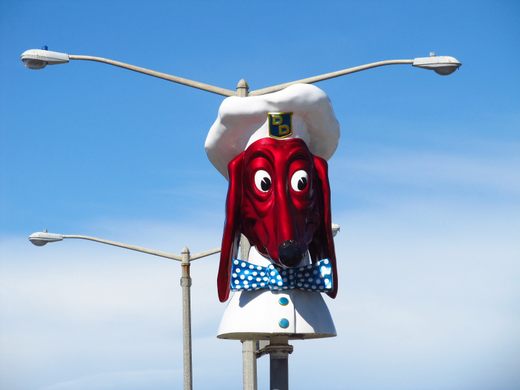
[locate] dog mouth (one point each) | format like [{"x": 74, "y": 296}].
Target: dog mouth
[{"x": 290, "y": 253}]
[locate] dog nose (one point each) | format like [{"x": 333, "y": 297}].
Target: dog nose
[{"x": 290, "y": 253}]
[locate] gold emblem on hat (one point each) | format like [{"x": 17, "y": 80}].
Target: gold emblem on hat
[{"x": 280, "y": 124}]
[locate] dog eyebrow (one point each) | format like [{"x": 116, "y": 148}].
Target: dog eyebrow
[
  {"x": 267, "y": 154},
  {"x": 299, "y": 154}
]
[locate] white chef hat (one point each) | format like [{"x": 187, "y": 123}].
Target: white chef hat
[{"x": 243, "y": 120}]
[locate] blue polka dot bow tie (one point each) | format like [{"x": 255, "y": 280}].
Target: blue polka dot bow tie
[{"x": 312, "y": 277}]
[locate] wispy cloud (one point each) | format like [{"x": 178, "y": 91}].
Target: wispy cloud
[
  {"x": 429, "y": 169},
  {"x": 385, "y": 177}
]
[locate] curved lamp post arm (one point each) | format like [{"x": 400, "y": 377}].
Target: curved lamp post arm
[
  {"x": 39, "y": 58},
  {"x": 136, "y": 248},
  {"x": 326, "y": 76},
  {"x": 153, "y": 73},
  {"x": 200, "y": 255},
  {"x": 443, "y": 65},
  {"x": 42, "y": 238}
]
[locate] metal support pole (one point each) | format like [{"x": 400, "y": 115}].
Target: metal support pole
[
  {"x": 279, "y": 350},
  {"x": 245, "y": 247},
  {"x": 43, "y": 238},
  {"x": 242, "y": 88},
  {"x": 164, "y": 76},
  {"x": 249, "y": 364},
  {"x": 249, "y": 347},
  {"x": 186, "y": 318}
]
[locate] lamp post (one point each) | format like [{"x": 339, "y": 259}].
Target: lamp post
[
  {"x": 185, "y": 258},
  {"x": 39, "y": 58}
]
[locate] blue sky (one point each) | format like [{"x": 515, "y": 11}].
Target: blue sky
[{"x": 425, "y": 185}]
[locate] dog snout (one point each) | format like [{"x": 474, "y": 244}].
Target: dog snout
[{"x": 290, "y": 253}]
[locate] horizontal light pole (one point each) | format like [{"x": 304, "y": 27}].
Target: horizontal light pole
[
  {"x": 442, "y": 65},
  {"x": 185, "y": 258},
  {"x": 40, "y": 58}
]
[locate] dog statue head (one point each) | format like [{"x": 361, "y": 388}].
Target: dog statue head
[
  {"x": 278, "y": 194},
  {"x": 279, "y": 198}
]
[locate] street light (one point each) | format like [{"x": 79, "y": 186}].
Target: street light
[
  {"x": 40, "y": 58},
  {"x": 185, "y": 258},
  {"x": 43, "y": 238},
  {"x": 443, "y": 65}
]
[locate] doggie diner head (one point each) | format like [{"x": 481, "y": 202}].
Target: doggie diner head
[
  {"x": 278, "y": 210},
  {"x": 275, "y": 148}
]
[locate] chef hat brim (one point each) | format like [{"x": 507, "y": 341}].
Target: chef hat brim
[{"x": 240, "y": 117}]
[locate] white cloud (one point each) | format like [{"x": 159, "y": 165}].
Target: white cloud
[
  {"x": 128, "y": 380},
  {"x": 428, "y": 168}
]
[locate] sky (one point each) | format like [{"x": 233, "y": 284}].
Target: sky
[{"x": 425, "y": 186}]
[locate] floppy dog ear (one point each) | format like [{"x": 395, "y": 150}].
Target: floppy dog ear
[
  {"x": 322, "y": 244},
  {"x": 232, "y": 227}
]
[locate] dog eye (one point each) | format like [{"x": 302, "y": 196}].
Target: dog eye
[
  {"x": 299, "y": 180},
  {"x": 262, "y": 180}
]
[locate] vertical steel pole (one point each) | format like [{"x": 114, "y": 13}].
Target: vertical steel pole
[
  {"x": 248, "y": 346},
  {"x": 242, "y": 88},
  {"x": 249, "y": 364},
  {"x": 186, "y": 318},
  {"x": 279, "y": 350},
  {"x": 249, "y": 376}
]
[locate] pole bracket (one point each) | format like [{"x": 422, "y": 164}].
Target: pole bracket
[{"x": 275, "y": 350}]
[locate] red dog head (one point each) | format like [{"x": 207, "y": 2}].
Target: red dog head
[{"x": 279, "y": 198}]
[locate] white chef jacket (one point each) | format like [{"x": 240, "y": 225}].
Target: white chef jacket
[{"x": 264, "y": 313}]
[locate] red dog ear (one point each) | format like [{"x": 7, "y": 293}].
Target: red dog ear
[
  {"x": 232, "y": 227},
  {"x": 322, "y": 245}
]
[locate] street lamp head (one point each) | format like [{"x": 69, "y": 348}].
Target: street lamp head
[
  {"x": 335, "y": 229},
  {"x": 443, "y": 65},
  {"x": 38, "y": 59},
  {"x": 42, "y": 238}
]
